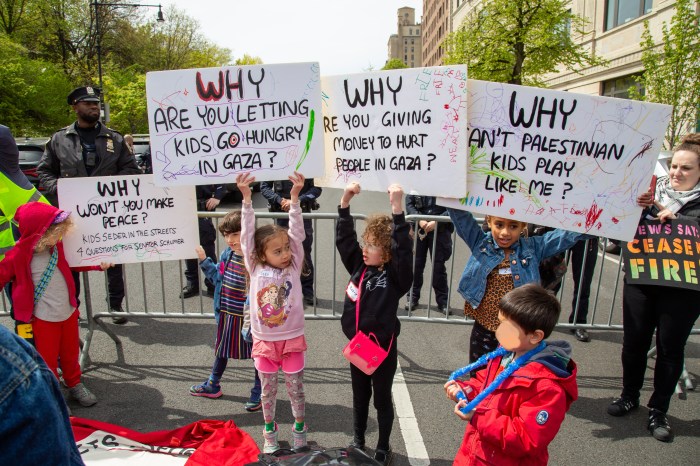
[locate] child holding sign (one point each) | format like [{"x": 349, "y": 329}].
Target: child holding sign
[
  {"x": 274, "y": 257},
  {"x": 515, "y": 406},
  {"x": 45, "y": 298},
  {"x": 381, "y": 273},
  {"x": 502, "y": 259},
  {"x": 231, "y": 290}
]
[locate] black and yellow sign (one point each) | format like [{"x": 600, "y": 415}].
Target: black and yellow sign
[{"x": 666, "y": 254}]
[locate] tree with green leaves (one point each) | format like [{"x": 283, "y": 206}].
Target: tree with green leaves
[
  {"x": 247, "y": 59},
  {"x": 672, "y": 70},
  {"x": 518, "y": 41},
  {"x": 394, "y": 64},
  {"x": 32, "y": 92}
]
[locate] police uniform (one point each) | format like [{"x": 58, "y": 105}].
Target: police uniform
[
  {"x": 82, "y": 151},
  {"x": 425, "y": 205},
  {"x": 207, "y": 239}
]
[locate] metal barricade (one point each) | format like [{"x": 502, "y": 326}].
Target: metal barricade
[{"x": 141, "y": 303}]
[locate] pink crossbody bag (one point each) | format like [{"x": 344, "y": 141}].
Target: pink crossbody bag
[{"x": 363, "y": 351}]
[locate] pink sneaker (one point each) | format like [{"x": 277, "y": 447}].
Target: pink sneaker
[
  {"x": 270, "y": 445},
  {"x": 299, "y": 438}
]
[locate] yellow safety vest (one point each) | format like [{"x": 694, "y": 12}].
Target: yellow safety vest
[{"x": 11, "y": 197}]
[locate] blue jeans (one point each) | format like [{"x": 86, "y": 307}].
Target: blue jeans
[{"x": 33, "y": 414}]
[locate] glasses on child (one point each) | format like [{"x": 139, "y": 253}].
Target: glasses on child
[{"x": 369, "y": 246}]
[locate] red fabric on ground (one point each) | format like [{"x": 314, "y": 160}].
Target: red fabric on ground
[{"x": 216, "y": 442}]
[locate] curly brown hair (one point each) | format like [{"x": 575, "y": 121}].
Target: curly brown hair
[
  {"x": 231, "y": 223},
  {"x": 379, "y": 228},
  {"x": 53, "y": 234}
]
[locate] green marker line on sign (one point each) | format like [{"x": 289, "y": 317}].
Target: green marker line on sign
[{"x": 309, "y": 137}]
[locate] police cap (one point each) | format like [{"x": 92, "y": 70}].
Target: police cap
[{"x": 84, "y": 94}]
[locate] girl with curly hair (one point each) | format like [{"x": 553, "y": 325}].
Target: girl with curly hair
[{"x": 381, "y": 272}]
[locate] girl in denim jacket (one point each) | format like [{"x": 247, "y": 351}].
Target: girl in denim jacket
[{"x": 502, "y": 259}]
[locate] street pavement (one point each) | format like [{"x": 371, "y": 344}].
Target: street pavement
[{"x": 143, "y": 384}]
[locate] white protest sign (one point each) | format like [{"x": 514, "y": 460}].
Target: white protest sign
[
  {"x": 403, "y": 126},
  {"x": 560, "y": 159},
  {"x": 125, "y": 219},
  {"x": 208, "y": 125}
]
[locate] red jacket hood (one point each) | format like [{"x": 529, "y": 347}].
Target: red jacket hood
[
  {"x": 34, "y": 218},
  {"x": 553, "y": 362}
]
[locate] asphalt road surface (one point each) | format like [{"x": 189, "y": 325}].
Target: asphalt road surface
[{"x": 143, "y": 384}]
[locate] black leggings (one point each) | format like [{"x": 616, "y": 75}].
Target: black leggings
[
  {"x": 672, "y": 313},
  {"x": 362, "y": 385},
  {"x": 481, "y": 341}
]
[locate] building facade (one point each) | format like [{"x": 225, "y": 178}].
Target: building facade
[
  {"x": 406, "y": 44},
  {"x": 614, "y": 32},
  {"x": 437, "y": 23},
  {"x": 459, "y": 10}
]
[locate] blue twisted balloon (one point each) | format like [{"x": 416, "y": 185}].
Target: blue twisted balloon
[{"x": 482, "y": 361}]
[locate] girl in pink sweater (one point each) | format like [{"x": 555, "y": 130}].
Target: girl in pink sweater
[{"x": 274, "y": 257}]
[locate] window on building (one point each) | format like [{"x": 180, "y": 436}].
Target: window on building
[
  {"x": 619, "y": 12},
  {"x": 620, "y": 87}
]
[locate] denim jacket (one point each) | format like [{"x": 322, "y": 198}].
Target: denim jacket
[
  {"x": 486, "y": 255},
  {"x": 34, "y": 424},
  {"x": 215, "y": 275}
]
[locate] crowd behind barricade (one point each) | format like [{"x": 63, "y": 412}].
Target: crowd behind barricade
[{"x": 513, "y": 395}]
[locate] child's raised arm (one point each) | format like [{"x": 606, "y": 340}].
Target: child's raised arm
[
  {"x": 396, "y": 198},
  {"x": 243, "y": 181},
  {"x": 351, "y": 190},
  {"x": 298, "y": 184}
]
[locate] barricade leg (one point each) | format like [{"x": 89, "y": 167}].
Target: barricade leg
[{"x": 85, "y": 352}]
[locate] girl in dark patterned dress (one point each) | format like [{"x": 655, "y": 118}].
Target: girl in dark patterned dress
[{"x": 231, "y": 280}]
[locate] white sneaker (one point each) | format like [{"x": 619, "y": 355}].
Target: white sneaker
[
  {"x": 270, "y": 445},
  {"x": 299, "y": 438},
  {"x": 82, "y": 395}
]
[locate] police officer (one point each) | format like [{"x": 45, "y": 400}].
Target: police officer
[
  {"x": 277, "y": 195},
  {"x": 426, "y": 230},
  {"x": 82, "y": 149},
  {"x": 208, "y": 197}
]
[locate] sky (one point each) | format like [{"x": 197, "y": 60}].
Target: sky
[{"x": 345, "y": 37}]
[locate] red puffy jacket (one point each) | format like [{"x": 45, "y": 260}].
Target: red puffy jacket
[
  {"x": 515, "y": 424},
  {"x": 34, "y": 219}
]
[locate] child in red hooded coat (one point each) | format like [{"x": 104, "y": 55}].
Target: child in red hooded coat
[
  {"x": 515, "y": 406},
  {"x": 43, "y": 291}
]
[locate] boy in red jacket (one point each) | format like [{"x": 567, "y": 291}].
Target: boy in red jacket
[
  {"x": 43, "y": 291},
  {"x": 515, "y": 406}
]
